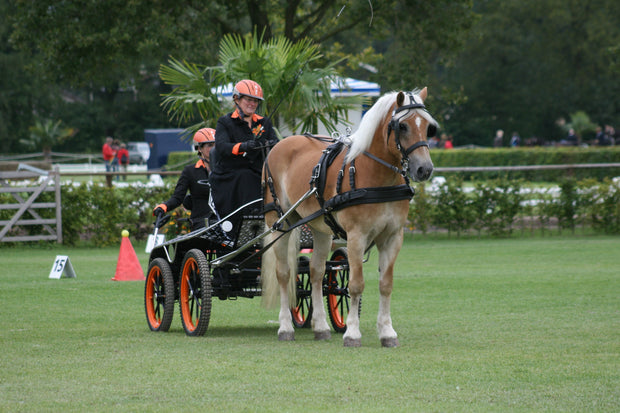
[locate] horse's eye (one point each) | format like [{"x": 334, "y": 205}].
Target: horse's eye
[{"x": 402, "y": 126}]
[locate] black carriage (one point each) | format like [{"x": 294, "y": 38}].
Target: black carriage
[{"x": 208, "y": 263}]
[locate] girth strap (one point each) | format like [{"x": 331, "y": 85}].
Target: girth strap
[{"x": 372, "y": 195}]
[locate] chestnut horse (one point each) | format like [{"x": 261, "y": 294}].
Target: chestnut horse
[{"x": 389, "y": 147}]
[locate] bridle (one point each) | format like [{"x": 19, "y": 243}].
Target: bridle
[{"x": 394, "y": 125}]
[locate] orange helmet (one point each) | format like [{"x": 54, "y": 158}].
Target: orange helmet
[
  {"x": 248, "y": 88},
  {"x": 204, "y": 135}
]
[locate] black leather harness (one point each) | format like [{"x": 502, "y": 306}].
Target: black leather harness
[{"x": 355, "y": 196}]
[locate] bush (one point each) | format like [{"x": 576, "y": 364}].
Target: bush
[
  {"x": 493, "y": 207},
  {"x": 97, "y": 214}
]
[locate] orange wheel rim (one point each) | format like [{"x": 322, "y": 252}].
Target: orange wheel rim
[
  {"x": 151, "y": 299},
  {"x": 187, "y": 302}
]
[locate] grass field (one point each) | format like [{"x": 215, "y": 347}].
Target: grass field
[{"x": 522, "y": 324}]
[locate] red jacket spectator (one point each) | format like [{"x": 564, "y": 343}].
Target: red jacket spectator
[
  {"x": 107, "y": 151},
  {"x": 123, "y": 155}
]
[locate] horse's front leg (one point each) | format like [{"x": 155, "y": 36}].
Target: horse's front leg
[
  {"x": 322, "y": 244},
  {"x": 355, "y": 246},
  {"x": 388, "y": 251},
  {"x": 286, "y": 332}
]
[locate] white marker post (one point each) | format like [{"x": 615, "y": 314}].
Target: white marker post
[{"x": 61, "y": 265}]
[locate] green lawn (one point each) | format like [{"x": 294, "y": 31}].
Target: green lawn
[{"x": 520, "y": 324}]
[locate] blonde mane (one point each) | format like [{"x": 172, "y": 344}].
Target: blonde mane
[{"x": 362, "y": 138}]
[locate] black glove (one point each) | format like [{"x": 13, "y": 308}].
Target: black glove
[
  {"x": 159, "y": 210},
  {"x": 249, "y": 146}
]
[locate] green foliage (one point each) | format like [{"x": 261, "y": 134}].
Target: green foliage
[
  {"x": 293, "y": 81},
  {"x": 178, "y": 160},
  {"x": 581, "y": 123},
  {"x": 494, "y": 207},
  {"x": 419, "y": 213},
  {"x": 568, "y": 204},
  {"x": 45, "y": 134},
  {"x": 96, "y": 214},
  {"x": 605, "y": 210},
  {"x": 528, "y": 63},
  {"x": 451, "y": 208}
]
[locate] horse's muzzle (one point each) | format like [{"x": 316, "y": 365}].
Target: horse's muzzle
[{"x": 421, "y": 171}]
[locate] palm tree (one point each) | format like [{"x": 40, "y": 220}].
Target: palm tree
[
  {"x": 581, "y": 124},
  {"x": 297, "y": 89},
  {"x": 45, "y": 134}
]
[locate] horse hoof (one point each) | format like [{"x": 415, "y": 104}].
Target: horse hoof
[
  {"x": 352, "y": 342},
  {"x": 286, "y": 336},
  {"x": 390, "y": 342},
  {"x": 322, "y": 335}
]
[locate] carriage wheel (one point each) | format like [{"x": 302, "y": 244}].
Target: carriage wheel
[
  {"x": 159, "y": 295},
  {"x": 338, "y": 290},
  {"x": 195, "y": 293},
  {"x": 302, "y": 313}
]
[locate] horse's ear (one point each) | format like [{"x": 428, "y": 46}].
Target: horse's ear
[
  {"x": 400, "y": 98},
  {"x": 423, "y": 93}
]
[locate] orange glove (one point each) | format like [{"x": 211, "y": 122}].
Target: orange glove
[{"x": 160, "y": 209}]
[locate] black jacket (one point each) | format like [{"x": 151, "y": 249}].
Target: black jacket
[
  {"x": 236, "y": 175},
  {"x": 194, "y": 178}
]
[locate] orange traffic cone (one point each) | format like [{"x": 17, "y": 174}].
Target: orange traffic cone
[{"x": 128, "y": 267}]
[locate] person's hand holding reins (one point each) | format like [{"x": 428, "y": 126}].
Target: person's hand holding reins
[{"x": 251, "y": 145}]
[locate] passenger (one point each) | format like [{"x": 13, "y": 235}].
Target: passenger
[
  {"x": 243, "y": 139},
  {"x": 194, "y": 178}
]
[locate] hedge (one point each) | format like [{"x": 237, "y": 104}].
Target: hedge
[
  {"x": 95, "y": 214},
  {"x": 500, "y": 207},
  {"x": 530, "y": 156}
]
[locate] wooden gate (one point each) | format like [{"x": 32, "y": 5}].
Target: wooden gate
[{"x": 26, "y": 206}]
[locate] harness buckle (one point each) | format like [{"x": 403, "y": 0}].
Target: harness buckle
[{"x": 316, "y": 172}]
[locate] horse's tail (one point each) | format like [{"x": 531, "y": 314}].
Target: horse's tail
[{"x": 270, "y": 289}]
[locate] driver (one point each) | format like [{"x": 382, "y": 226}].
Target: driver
[
  {"x": 242, "y": 139},
  {"x": 194, "y": 178}
]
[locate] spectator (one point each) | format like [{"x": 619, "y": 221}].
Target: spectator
[
  {"x": 433, "y": 142},
  {"x": 610, "y": 131},
  {"x": 109, "y": 154},
  {"x": 448, "y": 143},
  {"x": 515, "y": 140},
  {"x": 498, "y": 141},
  {"x": 571, "y": 138},
  {"x": 123, "y": 159},
  {"x": 601, "y": 138}
]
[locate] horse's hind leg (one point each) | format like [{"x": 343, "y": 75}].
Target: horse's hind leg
[
  {"x": 322, "y": 243},
  {"x": 388, "y": 251}
]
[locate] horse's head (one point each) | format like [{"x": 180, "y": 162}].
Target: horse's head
[{"x": 411, "y": 125}]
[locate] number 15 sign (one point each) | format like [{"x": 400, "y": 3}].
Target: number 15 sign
[{"x": 62, "y": 264}]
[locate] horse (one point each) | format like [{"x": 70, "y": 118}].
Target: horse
[{"x": 387, "y": 149}]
